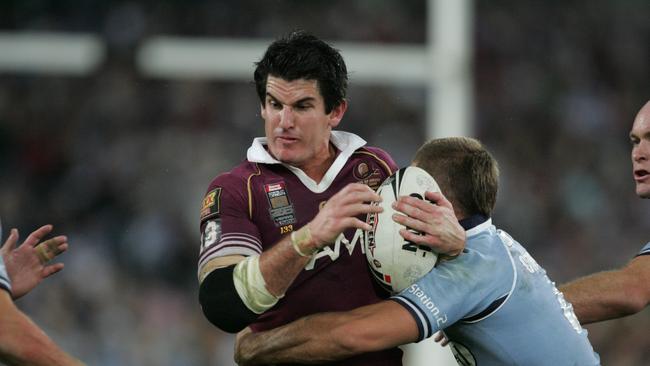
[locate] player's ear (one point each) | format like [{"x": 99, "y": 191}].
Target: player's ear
[{"x": 337, "y": 113}]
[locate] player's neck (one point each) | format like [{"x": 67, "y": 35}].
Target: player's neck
[{"x": 317, "y": 168}]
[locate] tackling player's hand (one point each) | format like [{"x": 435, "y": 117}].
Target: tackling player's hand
[
  {"x": 441, "y": 338},
  {"x": 27, "y": 264},
  {"x": 435, "y": 219},
  {"x": 341, "y": 211},
  {"x": 240, "y": 357}
]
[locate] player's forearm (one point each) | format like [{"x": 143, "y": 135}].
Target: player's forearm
[
  {"x": 281, "y": 265},
  {"x": 602, "y": 296},
  {"x": 314, "y": 339},
  {"x": 23, "y": 343}
]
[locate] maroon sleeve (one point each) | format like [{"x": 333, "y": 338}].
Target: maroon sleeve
[
  {"x": 382, "y": 156},
  {"x": 226, "y": 227}
]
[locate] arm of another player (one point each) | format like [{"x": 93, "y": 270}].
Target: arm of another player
[
  {"x": 611, "y": 294},
  {"x": 27, "y": 264},
  {"x": 435, "y": 219},
  {"x": 329, "y": 336},
  {"x": 23, "y": 343}
]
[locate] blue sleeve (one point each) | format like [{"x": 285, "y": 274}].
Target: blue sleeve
[
  {"x": 645, "y": 250},
  {"x": 5, "y": 283},
  {"x": 457, "y": 290}
]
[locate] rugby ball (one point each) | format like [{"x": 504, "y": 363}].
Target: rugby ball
[{"x": 395, "y": 262}]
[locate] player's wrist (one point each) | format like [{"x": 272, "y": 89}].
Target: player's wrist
[{"x": 303, "y": 242}]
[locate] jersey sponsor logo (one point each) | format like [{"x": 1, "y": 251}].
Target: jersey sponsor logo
[
  {"x": 334, "y": 251},
  {"x": 211, "y": 203},
  {"x": 371, "y": 177},
  {"x": 280, "y": 207},
  {"x": 428, "y": 304}
]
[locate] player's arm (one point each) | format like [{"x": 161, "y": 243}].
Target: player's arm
[
  {"x": 235, "y": 289},
  {"x": 611, "y": 294},
  {"x": 23, "y": 343},
  {"x": 330, "y": 336},
  {"x": 435, "y": 219}
]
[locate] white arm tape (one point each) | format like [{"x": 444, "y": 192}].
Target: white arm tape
[{"x": 251, "y": 287}]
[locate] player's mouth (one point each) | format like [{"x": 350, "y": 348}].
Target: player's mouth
[
  {"x": 285, "y": 139},
  {"x": 641, "y": 174}
]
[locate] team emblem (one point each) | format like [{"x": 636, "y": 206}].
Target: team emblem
[
  {"x": 280, "y": 207},
  {"x": 363, "y": 173}
]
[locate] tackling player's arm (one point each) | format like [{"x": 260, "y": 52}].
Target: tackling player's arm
[
  {"x": 611, "y": 294},
  {"x": 330, "y": 336},
  {"x": 234, "y": 290},
  {"x": 23, "y": 343}
]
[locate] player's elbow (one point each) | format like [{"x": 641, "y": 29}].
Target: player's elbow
[
  {"x": 221, "y": 304},
  {"x": 635, "y": 301}
]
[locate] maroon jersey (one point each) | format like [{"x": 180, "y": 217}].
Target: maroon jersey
[{"x": 250, "y": 209}]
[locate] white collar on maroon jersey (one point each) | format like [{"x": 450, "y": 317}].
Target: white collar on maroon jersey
[{"x": 347, "y": 143}]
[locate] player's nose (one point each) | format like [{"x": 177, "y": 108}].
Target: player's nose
[{"x": 286, "y": 117}]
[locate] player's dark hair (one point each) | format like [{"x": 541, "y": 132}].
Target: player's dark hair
[
  {"x": 466, "y": 172},
  {"x": 301, "y": 55}
]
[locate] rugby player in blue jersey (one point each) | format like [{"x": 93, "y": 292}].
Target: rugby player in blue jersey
[
  {"x": 626, "y": 291},
  {"x": 494, "y": 303}
]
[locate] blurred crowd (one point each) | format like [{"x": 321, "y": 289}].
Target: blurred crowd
[{"x": 120, "y": 162}]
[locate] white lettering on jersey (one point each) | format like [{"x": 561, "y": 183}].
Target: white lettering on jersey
[
  {"x": 211, "y": 233},
  {"x": 428, "y": 304},
  {"x": 334, "y": 254},
  {"x": 529, "y": 263}
]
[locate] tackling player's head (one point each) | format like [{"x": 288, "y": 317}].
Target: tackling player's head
[
  {"x": 466, "y": 172},
  {"x": 640, "y": 139},
  {"x": 301, "y": 55}
]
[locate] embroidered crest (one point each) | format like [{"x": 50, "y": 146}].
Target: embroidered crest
[{"x": 367, "y": 175}]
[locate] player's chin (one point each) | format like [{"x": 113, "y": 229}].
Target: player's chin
[{"x": 643, "y": 190}]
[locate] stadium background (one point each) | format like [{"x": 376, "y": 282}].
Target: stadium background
[{"x": 119, "y": 161}]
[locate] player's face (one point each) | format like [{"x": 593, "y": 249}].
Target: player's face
[
  {"x": 296, "y": 125},
  {"x": 640, "y": 139}
]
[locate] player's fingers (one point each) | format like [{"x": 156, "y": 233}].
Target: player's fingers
[
  {"x": 439, "y": 336},
  {"x": 52, "y": 269},
  {"x": 353, "y": 222},
  {"x": 37, "y": 235},
  {"x": 414, "y": 238},
  {"x": 44, "y": 253},
  {"x": 439, "y": 199},
  {"x": 358, "y": 209},
  {"x": 10, "y": 244},
  {"x": 56, "y": 245},
  {"x": 410, "y": 222}
]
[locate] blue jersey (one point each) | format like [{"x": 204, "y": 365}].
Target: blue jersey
[
  {"x": 497, "y": 306},
  {"x": 645, "y": 250},
  {"x": 5, "y": 284}
]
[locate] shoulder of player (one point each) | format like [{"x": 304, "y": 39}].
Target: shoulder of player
[
  {"x": 379, "y": 155},
  {"x": 238, "y": 176}
]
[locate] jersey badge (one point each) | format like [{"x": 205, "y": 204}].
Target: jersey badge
[
  {"x": 366, "y": 175},
  {"x": 280, "y": 207},
  {"x": 211, "y": 204}
]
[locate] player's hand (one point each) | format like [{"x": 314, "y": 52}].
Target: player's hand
[
  {"x": 441, "y": 338},
  {"x": 435, "y": 219},
  {"x": 240, "y": 357},
  {"x": 341, "y": 211},
  {"x": 27, "y": 264}
]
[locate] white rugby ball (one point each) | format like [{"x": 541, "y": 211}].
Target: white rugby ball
[{"x": 395, "y": 262}]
